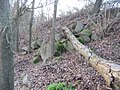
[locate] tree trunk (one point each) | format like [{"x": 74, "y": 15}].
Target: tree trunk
[
  {"x": 15, "y": 28},
  {"x": 97, "y": 6},
  {"x": 30, "y": 27},
  {"x": 6, "y": 55},
  {"x": 109, "y": 70},
  {"x": 52, "y": 33}
]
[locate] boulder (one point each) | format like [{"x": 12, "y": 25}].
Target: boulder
[
  {"x": 59, "y": 47},
  {"x": 24, "y": 50},
  {"x": 36, "y": 59},
  {"x": 80, "y": 39},
  {"x": 69, "y": 46},
  {"x": 78, "y": 27},
  {"x": 39, "y": 42},
  {"x": 57, "y": 53},
  {"x": 44, "y": 51},
  {"x": 58, "y": 36},
  {"x": 86, "y": 32},
  {"x": 34, "y": 45},
  {"x": 73, "y": 25},
  {"x": 26, "y": 80},
  {"x": 86, "y": 38},
  {"x": 94, "y": 37}
]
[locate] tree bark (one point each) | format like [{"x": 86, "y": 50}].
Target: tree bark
[
  {"x": 52, "y": 33},
  {"x": 6, "y": 55},
  {"x": 30, "y": 27},
  {"x": 15, "y": 28},
  {"x": 109, "y": 70}
]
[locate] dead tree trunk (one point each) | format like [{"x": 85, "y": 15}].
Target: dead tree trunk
[{"x": 109, "y": 70}]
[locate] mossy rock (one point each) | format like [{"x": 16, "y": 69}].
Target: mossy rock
[
  {"x": 86, "y": 32},
  {"x": 69, "y": 46},
  {"x": 57, "y": 53},
  {"x": 80, "y": 39},
  {"x": 86, "y": 38},
  {"x": 59, "y": 47},
  {"x": 36, "y": 59},
  {"x": 65, "y": 45},
  {"x": 57, "y": 59}
]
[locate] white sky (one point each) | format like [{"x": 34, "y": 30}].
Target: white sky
[{"x": 63, "y": 5}]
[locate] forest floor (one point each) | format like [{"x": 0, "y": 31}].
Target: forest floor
[{"x": 71, "y": 68}]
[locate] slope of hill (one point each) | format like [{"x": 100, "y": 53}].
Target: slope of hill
[{"x": 71, "y": 67}]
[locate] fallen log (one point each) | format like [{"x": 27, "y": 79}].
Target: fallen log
[{"x": 109, "y": 70}]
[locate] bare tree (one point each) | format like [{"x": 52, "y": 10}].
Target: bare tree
[
  {"x": 52, "y": 38},
  {"x": 6, "y": 55},
  {"x": 97, "y": 6},
  {"x": 30, "y": 27},
  {"x": 18, "y": 11},
  {"x": 15, "y": 27}
]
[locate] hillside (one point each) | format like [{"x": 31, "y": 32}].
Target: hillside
[{"x": 71, "y": 67}]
